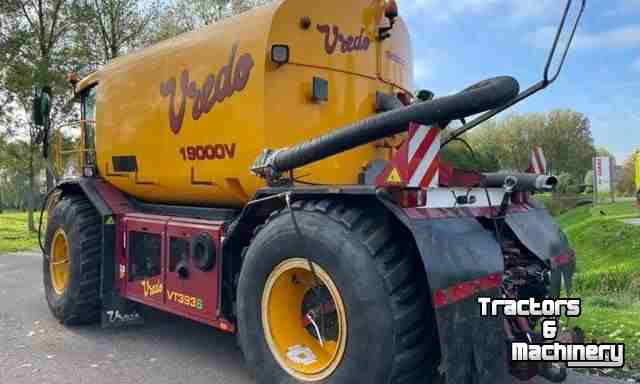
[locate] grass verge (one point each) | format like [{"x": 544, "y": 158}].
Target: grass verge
[
  {"x": 608, "y": 274},
  {"x": 14, "y": 233}
]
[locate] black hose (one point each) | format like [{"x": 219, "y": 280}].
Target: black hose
[
  {"x": 481, "y": 97},
  {"x": 44, "y": 206}
]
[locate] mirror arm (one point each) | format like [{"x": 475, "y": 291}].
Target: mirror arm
[
  {"x": 45, "y": 139},
  {"x": 542, "y": 84}
]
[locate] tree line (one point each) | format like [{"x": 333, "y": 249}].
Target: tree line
[{"x": 506, "y": 144}]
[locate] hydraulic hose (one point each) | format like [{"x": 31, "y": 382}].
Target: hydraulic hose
[{"x": 478, "y": 98}]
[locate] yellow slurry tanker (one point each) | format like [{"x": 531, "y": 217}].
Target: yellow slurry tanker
[{"x": 274, "y": 175}]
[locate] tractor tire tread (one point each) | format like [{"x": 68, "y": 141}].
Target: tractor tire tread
[
  {"x": 396, "y": 269},
  {"x": 84, "y": 302}
]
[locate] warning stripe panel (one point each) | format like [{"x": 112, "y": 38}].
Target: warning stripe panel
[
  {"x": 426, "y": 148},
  {"x": 431, "y": 174},
  {"x": 538, "y": 161},
  {"x": 417, "y": 137}
]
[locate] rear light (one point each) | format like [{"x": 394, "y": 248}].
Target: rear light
[
  {"x": 410, "y": 198},
  {"x": 391, "y": 11}
]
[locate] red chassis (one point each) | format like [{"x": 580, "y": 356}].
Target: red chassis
[{"x": 154, "y": 264}]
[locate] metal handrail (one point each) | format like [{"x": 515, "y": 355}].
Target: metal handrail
[{"x": 58, "y": 150}]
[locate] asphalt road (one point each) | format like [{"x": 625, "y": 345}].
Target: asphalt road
[{"x": 35, "y": 348}]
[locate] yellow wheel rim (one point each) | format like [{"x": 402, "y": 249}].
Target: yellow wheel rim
[
  {"x": 304, "y": 320},
  {"x": 59, "y": 262}
]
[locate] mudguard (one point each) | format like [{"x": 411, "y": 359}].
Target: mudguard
[
  {"x": 463, "y": 261},
  {"x": 538, "y": 231}
]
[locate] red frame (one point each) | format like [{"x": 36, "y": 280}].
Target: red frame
[
  {"x": 201, "y": 285},
  {"x": 181, "y": 297},
  {"x": 134, "y": 289}
]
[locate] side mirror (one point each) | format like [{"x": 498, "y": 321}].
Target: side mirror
[
  {"x": 42, "y": 107},
  {"x": 563, "y": 38},
  {"x": 36, "y": 114}
]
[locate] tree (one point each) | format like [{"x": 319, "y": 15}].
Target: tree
[
  {"x": 114, "y": 27},
  {"x": 568, "y": 143},
  {"x": 588, "y": 182},
  {"x": 564, "y": 135},
  {"x": 627, "y": 181},
  {"x": 32, "y": 55},
  {"x": 511, "y": 139},
  {"x": 187, "y": 15},
  {"x": 603, "y": 152},
  {"x": 181, "y": 16}
]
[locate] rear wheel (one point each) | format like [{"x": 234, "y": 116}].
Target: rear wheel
[
  {"x": 71, "y": 266},
  {"x": 345, "y": 303}
]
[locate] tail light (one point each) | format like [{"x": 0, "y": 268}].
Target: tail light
[
  {"x": 409, "y": 198},
  {"x": 391, "y": 10}
]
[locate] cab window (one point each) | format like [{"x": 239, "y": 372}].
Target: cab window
[{"x": 89, "y": 118}]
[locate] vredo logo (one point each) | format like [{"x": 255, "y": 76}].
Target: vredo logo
[
  {"x": 229, "y": 79},
  {"x": 151, "y": 287},
  {"x": 348, "y": 43}
]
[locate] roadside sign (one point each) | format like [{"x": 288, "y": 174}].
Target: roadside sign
[{"x": 603, "y": 174}]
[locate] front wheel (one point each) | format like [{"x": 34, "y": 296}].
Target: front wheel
[
  {"x": 343, "y": 303},
  {"x": 71, "y": 265}
]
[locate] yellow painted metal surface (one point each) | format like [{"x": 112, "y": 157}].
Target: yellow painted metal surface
[
  {"x": 59, "y": 262},
  {"x": 196, "y": 111}
]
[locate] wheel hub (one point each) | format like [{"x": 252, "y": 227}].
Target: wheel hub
[
  {"x": 304, "y": 320},
  {"x": 59, "y": 262}
]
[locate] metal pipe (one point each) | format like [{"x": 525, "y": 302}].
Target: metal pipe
[
  {"x": 525, "y": 182},
  {"x": 481, "y": 97}
]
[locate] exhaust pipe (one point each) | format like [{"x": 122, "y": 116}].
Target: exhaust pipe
[
  {"x": 478, "y": 98},
  {"x": 522, "y": 182}
]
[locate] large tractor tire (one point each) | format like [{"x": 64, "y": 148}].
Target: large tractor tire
[
  {"x": 342, "y": 300},
  {"x": 71, "y": 265}
]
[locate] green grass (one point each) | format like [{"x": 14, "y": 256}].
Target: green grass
[
  {"x": 608, "y": 273},
  {"x": 14, "y": 234},
  {"x": 612, "y": 319},
  {"x": 561, "y": 204}
]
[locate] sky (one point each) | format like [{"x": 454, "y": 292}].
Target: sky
[{"x": 459, "y": 42}]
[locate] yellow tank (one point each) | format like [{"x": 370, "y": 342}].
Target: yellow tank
[{"x": 197, "y": 110}]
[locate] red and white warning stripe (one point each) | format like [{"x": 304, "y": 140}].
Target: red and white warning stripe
[
  {"x": 537, "y": 163},
  {"x": 423, "y": 155}
]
